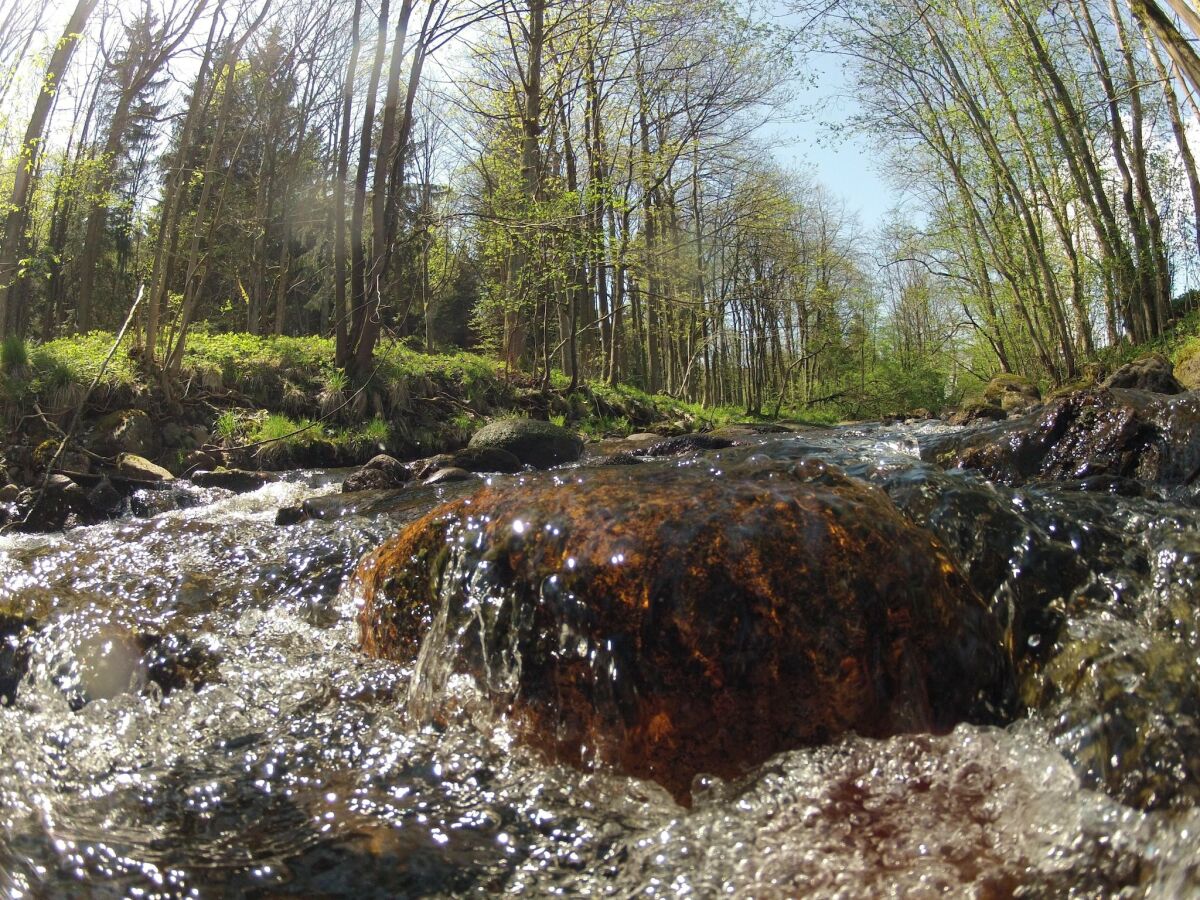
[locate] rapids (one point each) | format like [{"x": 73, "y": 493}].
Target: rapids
[{"x": 281, "y": 760}]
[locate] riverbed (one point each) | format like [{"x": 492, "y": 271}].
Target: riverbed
[{"x": 274, "y": 758}]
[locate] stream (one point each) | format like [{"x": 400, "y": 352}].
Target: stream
[{"x": 196, "y": 719}]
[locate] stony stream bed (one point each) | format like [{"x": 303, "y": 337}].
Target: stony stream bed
[{"x": 196, "y": 719}]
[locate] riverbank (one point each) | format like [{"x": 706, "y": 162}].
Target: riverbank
[{"x": 272, "y": 403}]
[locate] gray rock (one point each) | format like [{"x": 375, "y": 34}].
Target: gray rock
[
  {"x": 126, "y": 431},
  {"x": 201, "y": 459},
  {"x": 533, "y": 442},
  {"x": 240, "y": 481},
  {"x": 443, "y": 476},
  {"x": 1146, "y": 373},
  {"x": 173, "y": 434},
  {"x": 133, "y": 466},
  {"x": 380, "y": 472},
  {"x": 106, "y": 499}
]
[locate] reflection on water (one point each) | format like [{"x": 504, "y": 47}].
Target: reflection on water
[{"x": 273, "y": 758}]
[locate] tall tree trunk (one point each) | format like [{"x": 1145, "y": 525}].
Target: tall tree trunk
[
  {"x": 24, "y": 178},
  {"x": 341, "y": 331},
  {"x": 173, "y": 195},
  {"x": 358, "y": 262},
  {"x": 531, "y": 173}
]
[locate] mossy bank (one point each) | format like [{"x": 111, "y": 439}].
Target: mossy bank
[{"x": 272, "y": 403}]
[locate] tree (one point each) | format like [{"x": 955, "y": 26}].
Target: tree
[{"x": 27, "y": 162}]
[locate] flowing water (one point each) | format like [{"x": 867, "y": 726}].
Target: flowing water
[{"x": 196, "y": 720}]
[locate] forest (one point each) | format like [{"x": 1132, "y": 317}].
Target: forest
[{"x": 587, "y": 188}]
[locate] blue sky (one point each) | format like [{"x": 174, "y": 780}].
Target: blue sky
[{"x": 848, "y": 166}]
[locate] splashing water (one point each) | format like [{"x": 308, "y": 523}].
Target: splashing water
[{"x": 196, "y": 720}]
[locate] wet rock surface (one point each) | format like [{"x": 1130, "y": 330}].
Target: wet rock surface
[
  {"x": 294, "y": 767},
  {"x": 979, "y": 411},
  {"x": 688, "y": 443},
  {"x": 471, "y": 459},
  {"x": 653, "y": 620},
  {"x": 379, "y": 472},
  {"x": 15, "y": 634},
  {"x": 448, "y": 474},
  {"x": 1116, "y": 432},
  {"x": 237, "y": 480}
]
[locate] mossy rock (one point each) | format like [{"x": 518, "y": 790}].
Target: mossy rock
[
  {"x": 1187, "y": 366},
  {"x": 532, "y": 441},
  {"x": 126, "y": 431},
  {"x": 977, "y": 411},
  {"x": 1006, "y": 382},
  {"x": 133, "y": 466},
  {"x": 1012, "y": 393},
  {"x": 1151, "y": 372},
  {"x": 1108, "y": 731}
]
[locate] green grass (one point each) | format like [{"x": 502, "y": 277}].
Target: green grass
[
  {"x": 1181, "y": 340},
  {"x": 267, "y": 387},
  {"x": 14, "y": 354},
  {"x": 276, "y": 427},
  {"x": 228, "y": 426},
  {"x": 79, "y": 360}
]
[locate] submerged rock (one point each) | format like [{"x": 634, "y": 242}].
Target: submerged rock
[
  {"x": 240, "y": 481},
  {"x": 15, "y": 634},
  {"x": 175, "y": 661},
  {"x": 672, "y": 623},
  {"x": 533, "y": 442},
  {"x": 150, "y": 502},
  {"x": 1099, "y": 431},
  {"x": 113, "y": 660}
]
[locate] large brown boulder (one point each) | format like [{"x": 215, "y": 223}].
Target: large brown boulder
[
  {"x": 1151, "y": 437},
  {"x": 670, "y": 622}
]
